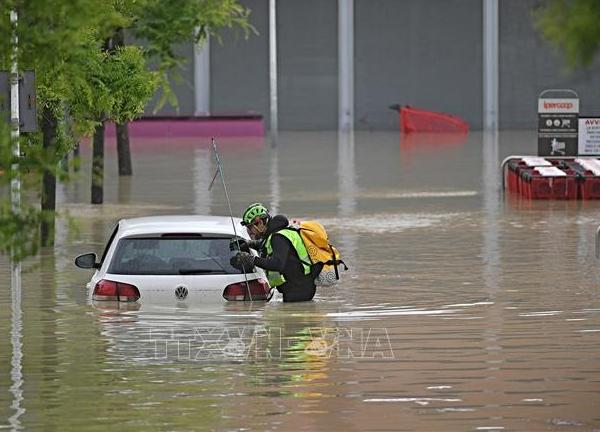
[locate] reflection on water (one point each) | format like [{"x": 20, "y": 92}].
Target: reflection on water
[
  {"x": 462, "y": 309},
  {"x": 16, "y": 372}
]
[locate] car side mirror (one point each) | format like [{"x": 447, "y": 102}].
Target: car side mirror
[{"x": 87, "y": 261}]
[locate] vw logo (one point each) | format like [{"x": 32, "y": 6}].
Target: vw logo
[{"x": 181, "y": 292}]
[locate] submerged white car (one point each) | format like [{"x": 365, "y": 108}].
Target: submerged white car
[{"x": 181, "y": 258}]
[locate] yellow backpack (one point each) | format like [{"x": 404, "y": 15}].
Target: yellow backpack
[{"x": 324, "y": 257}]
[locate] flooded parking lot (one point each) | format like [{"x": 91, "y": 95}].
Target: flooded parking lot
[{"x": 462, "y": 309}]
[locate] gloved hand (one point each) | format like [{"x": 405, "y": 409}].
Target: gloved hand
[
  {"x": 243, "y": 261},
  {"x": 243, "y": 245},
  {"x": 255, "y": 244}
]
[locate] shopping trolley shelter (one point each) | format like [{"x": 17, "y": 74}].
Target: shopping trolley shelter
[{"x": 567, "y": 166}]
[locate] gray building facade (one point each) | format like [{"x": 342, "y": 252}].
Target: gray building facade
[{"x": 425, "y": 53}]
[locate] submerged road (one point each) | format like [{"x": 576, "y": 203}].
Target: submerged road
[{"x": 462, "y": 309}]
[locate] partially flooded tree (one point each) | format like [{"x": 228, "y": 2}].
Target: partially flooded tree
[
  {"x": 160, "y": 26},
  {"x": 116, "y": 88},
  {"x": 49, "y": 34},
  {"x": 125, "y": 167},
  {"x": 573, "y": 26},
  {"x": 79, "y": 87}
]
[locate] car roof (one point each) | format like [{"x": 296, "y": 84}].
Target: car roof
[{"x": 180, "y": 224}]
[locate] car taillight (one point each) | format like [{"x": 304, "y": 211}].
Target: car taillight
[
  {"x": 128, "y": 293},
  {"x": 259, "y": 290},
  {"x": 105, "y": 290},
  {"x": 116, "y": 291}
]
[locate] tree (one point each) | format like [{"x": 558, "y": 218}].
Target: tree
[
  {"x": 117, "y": 86},
  {"x": 123, "y": 150},
  {"x": 573, "y": 26},
  {"x": 79, "y": 86},
  {"x": 50, "y": 35},
  {"x": 161, "y": 26}
]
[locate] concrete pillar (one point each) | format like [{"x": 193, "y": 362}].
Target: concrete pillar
[
  {"x": 490, "y": 64},
  {"x": 273, "y": 67},
  {"x": 202, "y": 78},
  {"x": 345, "y": 64}
]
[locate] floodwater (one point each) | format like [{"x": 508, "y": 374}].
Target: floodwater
[{"x": 462, "y": 309}]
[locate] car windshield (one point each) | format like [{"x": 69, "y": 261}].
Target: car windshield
[{"x": 172, "y": 255}]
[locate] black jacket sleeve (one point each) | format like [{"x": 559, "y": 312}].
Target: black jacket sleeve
[{"x": 281, "y": 251}]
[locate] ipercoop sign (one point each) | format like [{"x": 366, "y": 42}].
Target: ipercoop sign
[
  {"x": 558, "y": 126},
  {"x": 558, "y": 105}
]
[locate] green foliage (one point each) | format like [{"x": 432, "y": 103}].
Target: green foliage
[
  {"x": 573, "y": 26},
  {"x": 131, "y": 84},
  {"x": 19, "y": 235},
  {"x": 50, "y": 31},
  {"x": 34, "y": 159},
  {"x": 6, "y": 157},
  {"x": 18, "y": 230},
  {"x": 114, "y": 86}
]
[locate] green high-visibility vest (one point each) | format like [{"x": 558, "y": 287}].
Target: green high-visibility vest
[{"x": 276, "y": 278}]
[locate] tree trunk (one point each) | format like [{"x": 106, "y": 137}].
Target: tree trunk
[
  {"x": 76, "y": 158},
  {"x": 124, "y": 190},
  {"x": 123, "y": 149},
  {"x": 98, "y": 165},
  {"x": 49, "y": 130}
]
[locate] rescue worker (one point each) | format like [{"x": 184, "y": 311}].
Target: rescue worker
[{"x": 282, "y": 254}]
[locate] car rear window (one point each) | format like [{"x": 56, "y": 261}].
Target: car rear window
[{"x": 172, "y": 255}]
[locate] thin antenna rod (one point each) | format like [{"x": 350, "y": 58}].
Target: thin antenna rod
[{"x": 237, "y": 240}]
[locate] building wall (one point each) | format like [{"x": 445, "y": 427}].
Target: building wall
[
  {"x": 529, "y": 65},
  {"x": 307, "y": 65},
  {"x": 421, "y": 53},
  {"x": 426, "y": 53},
  {"x": 239, "y": 69},
  {"x": 307, "y": 35}
]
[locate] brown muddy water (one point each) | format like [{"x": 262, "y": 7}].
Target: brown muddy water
[{"x": 462, "y": 309}]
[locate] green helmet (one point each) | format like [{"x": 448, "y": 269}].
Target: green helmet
[{"x": 253, "y": 211}]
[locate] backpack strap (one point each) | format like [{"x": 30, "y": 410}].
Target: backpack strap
[
  {"x": 316, "y": 269},
  {"x": 337, "y": 273},
  {"x": 305, "y": 263},
  {"x": 335, "y": 262},
  {"x": 299, "y": 230}
]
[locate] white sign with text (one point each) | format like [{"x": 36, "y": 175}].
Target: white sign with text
[{"x": 589, "y": 136}]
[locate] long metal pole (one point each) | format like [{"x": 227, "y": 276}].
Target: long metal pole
[
  {"x": 273, "y": 68},
  {"x": 220, "y": 171},
  {"x": 490, "y": 64},
  {"x": 15, "y": 189},
  {"x": 15, "y": 185}
]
